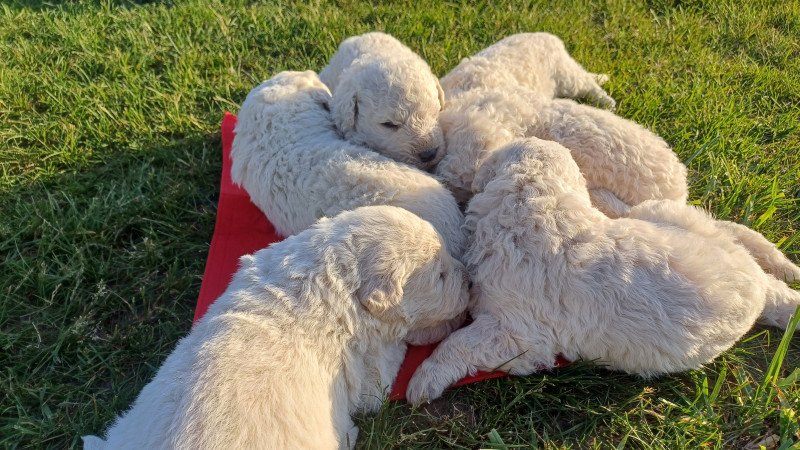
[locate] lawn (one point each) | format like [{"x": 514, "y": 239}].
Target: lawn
[{"x": 109, "y": 162}]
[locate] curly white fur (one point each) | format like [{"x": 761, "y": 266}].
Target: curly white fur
[
  {"x": 554, "y": 275},
  {"x": 385, "y": 97},
  {"x": 623, "y": 162},
  {"x": 296, "y": 168},
  {"x": 537, "y": 61},
  {"x": 309, "y": 332}
]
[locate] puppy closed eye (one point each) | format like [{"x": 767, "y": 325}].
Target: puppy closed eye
[{"x": 390, "y": 125}]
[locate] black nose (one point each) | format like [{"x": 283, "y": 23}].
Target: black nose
[
  {"x": 428, "y": 155},
  {"x": 469, "y": 285}
]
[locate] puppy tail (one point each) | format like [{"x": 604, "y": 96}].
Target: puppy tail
[
  {"x": 766, "y": 254},
  {"x": 782, "y": 302},
  {"x": 93, "y": 443},
  {"x": 608, "y": 203}
]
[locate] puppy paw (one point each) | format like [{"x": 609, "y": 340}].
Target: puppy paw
[
  {"x": 428, "y": 383},
  {"x": 606, "y": 101},
  {"x": 601, "y": 78}
]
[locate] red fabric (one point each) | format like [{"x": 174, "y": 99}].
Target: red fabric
[{"x": 241, "y": 229}]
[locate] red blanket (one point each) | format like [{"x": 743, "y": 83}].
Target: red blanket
[{"x": 242, "y": 228}]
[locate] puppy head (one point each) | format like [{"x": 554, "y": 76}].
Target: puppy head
[
  {"x": 473, "y": 129},
  {"x": 287, "y": 85},
  {"x": 533, "y": 161},
  {"x": 408, "y": 279},
  {"x": 393, "y": 108},
  {"x": 436, "y": 292},
  {"x": 301, "y": 93}
]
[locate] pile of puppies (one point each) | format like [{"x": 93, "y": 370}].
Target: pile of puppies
[{"x": 577, "y": 240}]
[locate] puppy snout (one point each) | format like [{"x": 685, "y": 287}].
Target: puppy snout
[{"x": 428, "y": 155}]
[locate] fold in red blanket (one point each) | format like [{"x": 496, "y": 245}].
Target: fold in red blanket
[{"x": 241, "y": 228}]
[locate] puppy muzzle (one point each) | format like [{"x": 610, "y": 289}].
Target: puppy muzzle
[{"x": 428, "y": 155}]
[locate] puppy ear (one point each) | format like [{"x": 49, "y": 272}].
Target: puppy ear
[
  {"x": 441, "y": 95},
  {"x": 345, "y": 107},
  {"x": 382, "y": 298}
]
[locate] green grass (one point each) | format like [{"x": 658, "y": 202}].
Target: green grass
[{"x": 109, "y": 162}]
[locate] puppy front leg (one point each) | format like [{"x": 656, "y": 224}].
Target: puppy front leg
[
  {"x": 577, "y": 82},
  {"x": 608, "y": 203},
  {"x": 481, "y": 345}
]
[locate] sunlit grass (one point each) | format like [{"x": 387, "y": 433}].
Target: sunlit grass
[{"x": 109, "y": 163}]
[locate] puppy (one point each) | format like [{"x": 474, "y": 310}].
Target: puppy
[
  {"x": 535, "y": 61},
  {"x": 624, "y": 163},
  {"x": 296, "y": 167},
  {"x": 778, "y": 308},
  {"x": 385, "y": 97},
  {"x": 556, "y": 276},
  {"x": 309, "y": 332}
]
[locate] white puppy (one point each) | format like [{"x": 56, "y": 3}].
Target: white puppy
[
  {"x": 385, "y": 97},
  {"x": 623, "y": 162},
  {"x": 296, "y": 168},
  {"x": 536, "y": 61},
  {"x": 778, "y": 307},
  {"x": 309, "y": 332},
  {"x": 555, "y": 276}
]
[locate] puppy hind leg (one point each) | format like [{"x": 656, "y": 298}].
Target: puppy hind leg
[
  {"x": 576, "y": 82},
  {"x": 592, "y": 91},
  {"x": 766, "y": 254},
  {"x": 782, "y": 302},
  {"x": 608, "y": 203}
]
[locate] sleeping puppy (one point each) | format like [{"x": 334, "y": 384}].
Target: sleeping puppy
[
  {"x": 289, "y": 157},
  {"x": 554, "y": 275},
  {"x": 385, "y": 97},
  {"x": 536, "y": 61},
  {"x": 623, "y": 162},
  {"x": 310, "y": 331}
]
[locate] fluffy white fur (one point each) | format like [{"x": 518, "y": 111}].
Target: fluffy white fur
[
  {"x": 536, "y": 61},
  {"x": 623, "y": 162},
  {"x": 554, "y": 275},
  {"x": 296, "y": 168},
  {"x": 309, "y": 332},
  {"x": 779, "y": 305},
  {"x": 385, "y": 97},
  {"x": 766, "y": 254}
]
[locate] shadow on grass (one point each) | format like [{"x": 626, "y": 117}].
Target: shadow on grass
[{"x": 101, "y": 270}]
